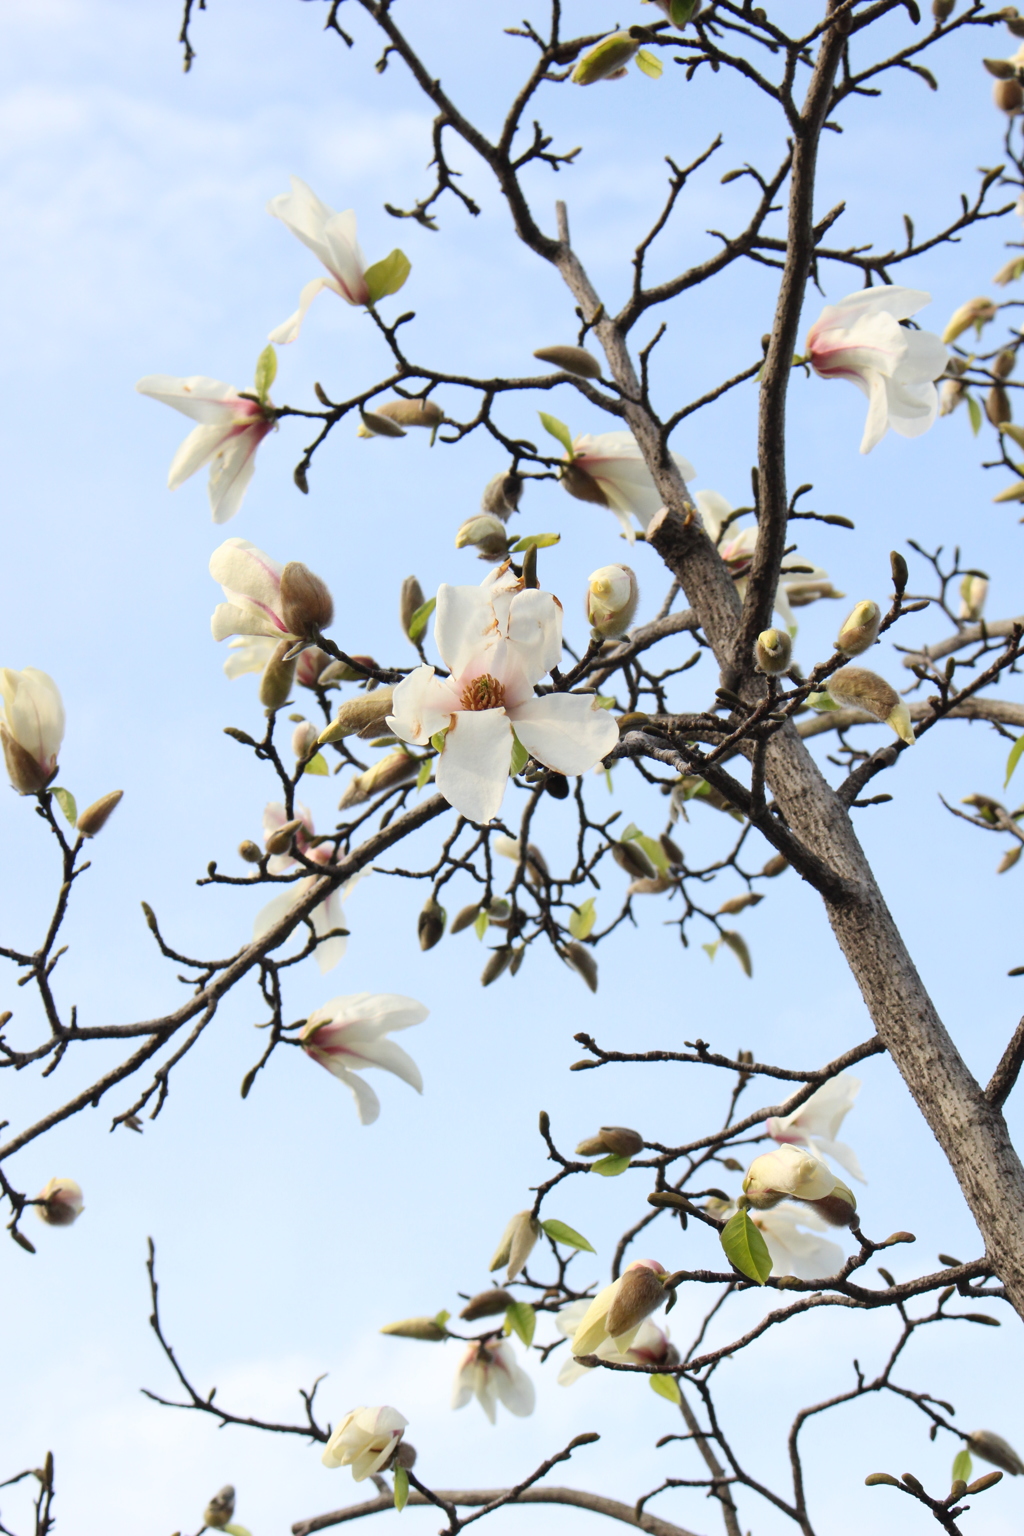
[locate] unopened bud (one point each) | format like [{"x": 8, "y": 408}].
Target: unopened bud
[
  {"x": 857, "y": 688},
  {"x": 582, "y": 961},
  {"x": 25, "y": 774},
  {"x": 277, "y": 679},
  {"x": 993, "y": 1448},
  {"x": 775, "y": 866},
  {"x": 306, "y": 604},
  {"x": 341, "y": 672},
  {"x": 410, "y": 413},
  {"x": 617, "y": 1140},
  {"x": 773, "y": 652},
  {"x": 583, "y": 486},
  {"x": 430, "y": 924},
  {"x": 981, "y": 1483},
  {"x": 860, "y": 629},
  {"x": 405, "y": 1456},
  {"x": 428, "y": 1329},
  {"x": 671, "y": 850},
  {"x": 997, "y": 405},
  {"x": 397, "y": 768},
  {"x": 838, "y": 1207},
  {"x": 410, "y": 601},
  {"x": 220, "y": 1509},
  {"x": 304, "y": 740},
  {"x": 630, "y": 857},
  {"x": 975, "y": 312},
  {"x": 487, "y": 1304},
  {"x": 1008, "y": 96},
  {"x": 973, "y": 592},
  {"x": 280, "y": 840},
  {"x": 943, "y": 9},
  {"x": 1005, "y": 363},
  {"x": 605, "y": 61},
  {"x": 788, "y": 1172},
  {"x": 63, "y": 1203},
  {"x": 900, "y": 572},
  {"x": 576, "y": 360},
  {"x": 517, "y": 1243},
  {"x": 950, "y": 396},
  {"x": 501, "y": 494},
  {"x": 95, "y": 817},
  {"x": 249, "y": 851},
  {"x": 486, "y": 533},
  {"x": 496, "y": 965},
  {"x": 465, "y": 918},
  {"x": 367, "y": 712},
  {"x": 612, "y": 596},
  {"x": 651, "y": 885},
  {"x": 376, "y": 424},
  {"x": 640, "y": 1292},
  {"x": 1003, "y": 69}
]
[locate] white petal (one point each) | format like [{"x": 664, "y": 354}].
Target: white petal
[
  {"x": 227, "y": 619},
  {"x": 877, "y": 423},
  {"x": 464, "y": 625},
  {"x": 472, "y": 770},
  {"x": 200, "y": 445},
  {"x": 924, "y": 361},
  {"x": 249, "y": 653},
  {"x": 572, "y": 1371},
  {"x": 35, "y": 712},
  {"x": 535, "y": 633},
  {"x": 565, "y": 731},
  {"x": 893, "y": 300},
  {"x": 272, "y": 913},
  {"x": 367, "y": 1102},
  {"x": 230, "y": 473},
  {"x": 289, "y": 329},
  {"x": 375, "y": 1013},
  {"x": 513, "y": 1386},
  {"x": 421, "y": 706},
  {"x": 714, "y": 509},
  {"x": 845, "y": 1156},
  {"x": 345, "y": 258},
  {"x": 205, "y": 400},
  {"x": 327, "y": 916},
  {"x": 391, "y": 1058},
  {"x": 251, "y": 581},
  {"x": 301, "y": 211},
  {"x": 912, "y": 407}
]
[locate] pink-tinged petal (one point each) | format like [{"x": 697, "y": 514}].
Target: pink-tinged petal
[
  {"x": 228, "y": 620},
  {"x": 251, "y": 581},
  {"x": 289, "y": 329},
  {"x": 367, "y": 1102},
  {"x": 346, "y": 261},
  {"x": 892, "y": 300},
  {"x": 464, "y": 625},
  {"x": 205, "y": 400},
  {"x": 326, "y": 917},
  {"x": 472, "y": 770},
  {"x": 197, "y": 449},
  {"x": 421, "y": 705},
  {"x": 565, "y": 731},
  {"x": 535, "y": 633},
  {"x": 270, "y": 915},
  {"x": 232, "y": 469},
  {"x": 372, "y": 1013}
]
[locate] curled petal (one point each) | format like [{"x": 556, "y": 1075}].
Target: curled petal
[
  {"x": 421, "y": 705},
  {"x": 565, "y": 731}
]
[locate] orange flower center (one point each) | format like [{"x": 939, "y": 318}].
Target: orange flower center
[{"x": 483, "y": 692}]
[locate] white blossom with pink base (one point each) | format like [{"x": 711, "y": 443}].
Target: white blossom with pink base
[
  {"x": 491, "y": 1373},
  {"x": 861, "y": 339},
  {"x": 796, "y": 576},
  {"x": 329, "y": 915},
  {"x": 251, "y": 582},
  {"x": 348, "y": 1034},
  {"x": 609, "y": 469},
  {"x": 650, "y": 1346},
  {"x": 230, "y": 430},
  {"x": 497, "y": 641},
  {"x": 816, "y": 1123}
]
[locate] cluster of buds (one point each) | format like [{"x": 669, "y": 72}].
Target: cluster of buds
[
  {"x": 1007, "y": 92},
  {"x": 792, "y": 1173},
  {"x": 391, "y": 417}
]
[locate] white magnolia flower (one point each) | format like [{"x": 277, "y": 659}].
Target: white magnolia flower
[
  {"x": 609, "y": 470},
  {"x": 802, "y": 585},
  {"x": 497, "y": 643},
  {"x": 861, "y": 339},
  {"x": 329, "y": 915},
  {"x": 251, "y": 582},
  {"x": 348, "y": 1034},
  {"x": 615, "y": 1314},
  {"x": 793, "y": 1252},
  {"x": 229, "y": 432},
  {"x": 31, "y": 727},
  {"x": 365, "y": 1440},
  {"x": 788, "y": 1171},
  {"x": 650, "y": 1345},
  {"x": 490, "y": 1371},
  {"x": 64, "y": 1202},
  {"x": 816, "y": 1123}
]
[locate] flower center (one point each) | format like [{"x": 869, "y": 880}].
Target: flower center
[{"x": 483, "y": 692}]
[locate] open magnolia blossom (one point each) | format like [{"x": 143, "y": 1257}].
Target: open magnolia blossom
[
  {"x": 615, "y": 1314},
  {"x": 231, "y": 428},
  {"x": 497, "y": 640},
  {"x": 251, "y": 582},
  {"x": 609, "y": 470},
  {"x": 490, "y": 1371},
  {"x": 31, "y": 727},
  {"x": 365, "y": 1440},
  {"x": 650, "y": 1345},
  {"x": 861, "y": 339},
  {"x": 816, "y": 1123},
  {"x": 329, "y": 914},
  {"x": 800, "y": 582},
  {"x": 64, "y": 1203},
  {"x": 348, "y": 1034}
]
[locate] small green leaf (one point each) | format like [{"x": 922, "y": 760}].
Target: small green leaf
[
  {"x": 667, "y": 1386},
  {"x": 426, "y": 767},
  {"x": 654, "y": 851},
  {"x": 387, "y": 276},
  {"x": 437, "y": 740},
  {"x": 974, "y": 412},
  {"x": 520, "y": 756},
  {"x": 236, "y": 1530},
  {"x": 317, "y": 764},
  {"x": 66, "y": 800},
  {"x": 610, "y": 1166},
  {"x": 560, "y": 1233},
  {"x": 582, "y": 922},
  {"x": 711, "y": 950},
  {"x": 821, "y": 701},
  {"x": 558, "y": 430},
  {"x": 418, "y": 622},
  {"x": 442, "y": 1318},
  {"x": 649, "y": 63},
  {"x": 520, "y": 1318},
  {"x": 266, "y": 372},
  {"x": 604, "y": 701},
  {"x": 680, "y": 11},
  {"x": 481, "y": 922},
  {"x": 745, "y": 1248},
  {"x": 536, "y": 541},
  {"x": 1011, "y": 761},
  {"x": 401, "y": 1488},
  {"x": 962, "y": 1466},
  {"x": 738, "y": 945}
]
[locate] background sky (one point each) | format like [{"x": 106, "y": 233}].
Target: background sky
[{"x": 135, "y": 240}]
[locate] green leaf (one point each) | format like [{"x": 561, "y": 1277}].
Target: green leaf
[
  {"x": 520, "y": 756},
  {"x": 654, "y": 851},
  {"x": 1011, "y": 761},
  {"x": 821, "y": 701},
  {"x": 66, "y": 800},
  {"x": 236, "y": 1530},
  {"x": 581, "y": 923},
  {"x": 680, "y": 11},
  {"x": 738, "y": 945},
  {"x": 480, "y": 924},
  {"x": 560, "y": 1233},
  {"x": 649, "y": 63},
  {"x": 558, "y": 430},
  {"x": 974, "y": 412},
  {"x": 442, "y": 1318},
  {"x": 317, "y": 764},
  {"x": 745, "y": 1248},
  {"x": 962, "y": 1466},
  {"x": 520, "y": 1318},
  {"x": 418, "y": 622},
  {"x": 536, "y": 541},
  {"x": 604, "y": 701},
  {"x": 401, "y": 1488},
  {"x": 266, "y": 372},
  {"x": 426, "y": 767},
  {"x": 437, "y": 740},
  {"x": 387, "y": 276},
  {"x": 666, "y": 1386},
  {"x": 610, "y": 1166},
  {"x": 711, "y": 950}
]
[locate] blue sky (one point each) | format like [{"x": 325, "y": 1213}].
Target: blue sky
[{"x": 135, "y": 241}]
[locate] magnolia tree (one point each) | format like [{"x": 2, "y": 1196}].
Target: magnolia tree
[{"x": 502, "y": 717}]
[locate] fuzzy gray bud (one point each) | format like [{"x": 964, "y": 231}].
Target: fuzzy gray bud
[
  {"x": 95, "y": 817},
  {"x": 486, "y": 1304},
  {"x": 306, "y": 604},
  {"x": 575, "y": 360},
  {"x": 773, "y": 652},
  {"x": 501, "y": 495},
  {"x": 410, "y": 602},
  {"x": 430, "y": 924}
]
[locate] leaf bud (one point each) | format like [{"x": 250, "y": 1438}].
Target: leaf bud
[
  {"x": 280, "y": 840},
  {"x": 1005, "y": 363},
  {"x": 517, "y": 1243},
  {"x": 951, "y": 395},
  {"x": 501, "y": 494},
  {"x": 95, "y": 817},
  {"x": 304, "y": 740},
  {"x": 958, "y": 1489},
  {"x": 409, "y": 602},
  {"x": 993, "y": 1448},
  {"x": 1008, "y": 96},
  {"x": 860, "y": 629},
  {"x": 973, "y": 592},
  {"x": 651, "y": 885},
  {"x": 943, "y": 9},
  {"x": 249, "y": 851},
  {"x": 900, "y": 572},
  {"x": 612, "y": 596},
  {"x": 583, "y": 962},
  {"x": 306, "y": 604},
  {"x": 486, "y": 533},
  {"x": 775, "y": 866},
  {"x": 630, "y": 857},
  {"x": 1002, "y": 69},
  {"x": 997, "y": 406},
  {"x": 428, "y": 1329},
  {"x": 62, "y": 1203},
  {"x": 640, "y": 1292},
  {"x": 575, "y": 360},
  {"x": 406, "y": 413},
  {"x": 857, "y": 688},
  {"x": 500, "y": 958},
  {"x": 278, "y": 677},
  {"x": 465, "y": 918},
  {"x": 981, "y": 1483},
  {"x": 388, "y": 773},
  {"x": 875, "y": 1479},
  {"x": 367, "y": 712},
  {"x": 607, "y": 60},
  {"x": 773, "y": 651},
  {"x": 220, "y": 1509},
  {"x": 912, "y": 1482},
  {"x": 976, "y": 312},
  {"x": 618, "y": 1140},
  {"x": 430, "y": 924},
  {"x": 486, "y": 1304},
  {"x": 376, "y": 424}
]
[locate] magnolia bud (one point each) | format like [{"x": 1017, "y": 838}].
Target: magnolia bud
[
  {"x": 631, "y": 857},
  {"x": 1008, "y": 96},
  {"x": 618, "y": 1140},
  {"x": 973, "y": 592},
  {"x": 220, "y": 1509},
  {"x": 63, "y": 1203},
  {"x": 943, "y": 9},
  {"x": 775, "y": 866},
  {"x": 376, "y": 424},
  {"x": 612, "y": 596},
  {"x": 304, "y": 740},
  {"x": 306, "y": 604},
  {"x": 426, "y": 1328},
  {"x": 487, "y": 533},
  {"x": 640, "y": 1292},
  {"x": 341, "y": 672},
  {"x": 410, "y": 601},
  {"x": 790, "y": 1172},
  {"x": 1005, "y": 363},
  {"x": 395, "y": 769},
  {"x": 993, "y": 1448},
  {"x": 25, "y": 774},
  {"x": 486, "y": 1304},
  {"x": 496, "y": 965},
  {"x": 277, "y": 679},
  {"x": 517, "y": 1243},
  {"x": 576, "y": 360},
  {"x": 975, "y": 311},
  {"x": 95, "y": 817},
  {"x": 582, "y": 962},
  {"x": 310, "y": 666},
  {"x": 581, "y": 485},
  {"x": 501, "y": 494},
  {"x": 950, "y": 396},
  {"x": 900, "y": 573},
  {"x": 838, "y": 1207},
  {"x": 249, "y": 852},
  {"x": 409, "y": 413},
  {"x": 773, "y": 652},
  {"x": 860, "y": 629},
  {"x": 857, "y": 688},
  {"x": 997, "y": 405},
  {"x": 430, "y": 924},
  {"x": 280, "y": 840},
  {"x": 610, "y": 57},
  {"x": 405, "y": 1456},
  {"x": 465, "y": 918},
  {"x": 367, "y": 712},
  {"x": 1003, "y": 69},
  {"x": 651, "y": 885}
]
